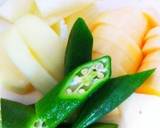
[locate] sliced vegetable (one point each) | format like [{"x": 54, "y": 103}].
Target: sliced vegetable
[
  {"x": 44, "y": 43},
  {"x": 58, "y": 8},
  {"x": 104, "y": 125},
  {"x": 109, "y": 97},
  {"x": 23, "y": 58},
  {"x": 79, "y": 48},
  {"x": 66, "y": 97},
  {"x": 16, "y": 115},
  {"x": 11, "y": 11}
]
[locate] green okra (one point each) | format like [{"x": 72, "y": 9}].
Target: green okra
[
  {"x": 96, "y": 125},
  {"x": 79, "y": 47},
  {"x": 70, "y": 93},
  {"x": 109, "y": 97},
  {"x": 104, "y": 125},
  {"x": 16, "y": 115}
]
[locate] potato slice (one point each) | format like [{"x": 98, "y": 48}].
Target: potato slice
[
  {"x": 60, "y": 7},
  {"x": 10, "y": 76},
  {"x": 13, "y": 9},
  {"x": 129, "y": 20},
  {"x": 44, "y": 43},
  {"x": 123, "y": 50},
  {"x": 21, "y": 56}
]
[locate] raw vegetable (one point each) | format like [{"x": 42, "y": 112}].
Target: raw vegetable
[
  {"x": 104, "y": 125},
  {"x": 109, "y": 97},
  {"x": 66, "y": 97},
  {"x": 126, "y": 58},
  {"x": 151, "y": 50},
  {"x": 16, "y": 115},
  {"x": 11, "y": 11},
  {"x": 22, "y": 57},
  {"x": 44, "y": 43},
  {"x": 55, "y": 10},
  {"x": 97, "y": 125},
  {"x": 79, "y": 48}
]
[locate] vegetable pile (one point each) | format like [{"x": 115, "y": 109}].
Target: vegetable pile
[{"x": 86, "y": 86}]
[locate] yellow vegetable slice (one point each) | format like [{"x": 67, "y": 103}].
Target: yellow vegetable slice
[
  {"x": 153, "y": 33},
  {"x": 44, "y": 43},
  {"x": 130, "y": 21},
  {"x": 123, "y": 50},
  {"x": 21, "y": 56},
  {"x": 13, "y": 9},
  {"x": 151, "y": 86},
  {"x": 60, "y": 7},
  {"x": 151, "y": 45}
]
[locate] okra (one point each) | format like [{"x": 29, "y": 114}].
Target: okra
[
  {"x": 71, "y": 93},
  {"x": 104, "y": 125},
  {"x": 109, "y": 97},
  {"x": 16, "y": 115},
  {"x": 79, "y": 47},
  {"x": 96, "y": 125}
]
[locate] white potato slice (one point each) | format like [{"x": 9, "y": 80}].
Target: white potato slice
[
  {"x": 13, "y": 9},
  {"x": 61, "y": 7},
  {"x": 27, "y": 99},
  {"x": 21, "y": 56},
  {"x": 44, "y": 43},
  {"x": 140, "y": 111},
  {"x": 10, "y": 76},
  {"x": 62, "y": 30}
]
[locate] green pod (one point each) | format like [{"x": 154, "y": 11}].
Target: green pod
[
  {"x": 109, "y": 97},
  {"x": 16, "y": 115},
  {"x": 103, "y": 125},
  {"x": 79, "y": 47},
  {"x": 71, "y": 93},
  {"x": 96, "y": 125}
]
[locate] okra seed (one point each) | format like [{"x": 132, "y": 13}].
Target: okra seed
[
  {"x": 84, "y": 71},
  {"x": 100, "y": 67},
  {"x": 69, "y": 91},
  {"x": 100, "y": 75},
  {"x": 81, "y": 91},
  {"x": 77, "y": 80}
]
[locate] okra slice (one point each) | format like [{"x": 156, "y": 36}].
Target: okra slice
[
  {"x": 16, "y": 115},
  {"x": 79, "y": 47},
  {"x": 69, "y": 94},
  {"x": 109, "y": 97}
]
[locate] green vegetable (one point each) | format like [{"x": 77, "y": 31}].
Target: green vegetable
[
  {"x": 79, "y": 47},
  {"x": 16, "y": 115},
  {"x": 96, "y": 125},
  {"x": 109, "y": 97},
  {"x": 104, "y": 125},
  {"x": 68, "y": 95}
]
